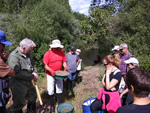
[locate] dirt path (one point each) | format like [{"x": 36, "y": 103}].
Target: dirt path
[{"x": 87, "y": 87}]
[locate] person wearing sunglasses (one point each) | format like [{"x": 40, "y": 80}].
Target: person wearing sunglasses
[
  {"x": 116, "y": 49},
  {"x": 108, "y": 97},
  {"x": 131, "y": 62},
  {"x": 124, "y": 55}
]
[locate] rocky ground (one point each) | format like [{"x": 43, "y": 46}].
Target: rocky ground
[{"x": 87, "y": 86}]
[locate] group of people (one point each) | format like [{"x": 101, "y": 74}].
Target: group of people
[
  {"x": 23, "y": 73},
  {"x": 123, "y": 66}
]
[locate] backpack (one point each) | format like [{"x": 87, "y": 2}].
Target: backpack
[
  {"x": 122, "y": 82},
  {"x": 4, "y": 91}
]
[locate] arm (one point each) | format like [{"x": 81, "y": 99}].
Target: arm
[
  {"x": 65, "y": 65},
  {"x": 110, "y": 84},
  {"x": 11, "y": 73},
  {"x": 78, "y": 62},
  {"x": 20, "y": 73},
  {"x": 103, "y": 80},
  {"x": 125, "y": 91},
  {"x": 49, "y": 69},
  {"x": 6, "y": 70}
]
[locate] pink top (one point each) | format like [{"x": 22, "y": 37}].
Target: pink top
[{"x": 114, "y": 102}]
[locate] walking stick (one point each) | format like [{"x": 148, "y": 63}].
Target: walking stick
[{"x": 38, "y": 94}]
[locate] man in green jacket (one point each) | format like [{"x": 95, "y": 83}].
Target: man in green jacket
[{"x": 21, "y": 85}]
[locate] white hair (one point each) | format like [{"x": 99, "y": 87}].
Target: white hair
[{"x": 27, "y": 43}]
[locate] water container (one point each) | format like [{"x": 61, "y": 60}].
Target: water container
[
  {"x": 65, "y": 108},
  {"x": 86, "y": 106}
]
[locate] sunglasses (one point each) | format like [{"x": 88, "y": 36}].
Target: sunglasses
[
  {"x": 129, "y": 64},
  {"x": 105, "y": 64}
]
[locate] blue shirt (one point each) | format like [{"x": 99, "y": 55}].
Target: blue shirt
[{"x": 72, "y": 61}]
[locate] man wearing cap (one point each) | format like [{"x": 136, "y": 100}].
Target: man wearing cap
[
  {"x": 53, "y": 61},
  {"x": 21, "y": 85},
  {"x": 131, "y": 62},
  {"x": 72, "y": 62},
  {"x": 125, "y": 54},
  {"x": 5, "y": 72}
]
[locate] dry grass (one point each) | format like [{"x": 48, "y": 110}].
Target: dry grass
[{"x": 88, "y": 87}]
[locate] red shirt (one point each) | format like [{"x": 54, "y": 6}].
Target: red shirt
[{"x": 54, "y": 60}]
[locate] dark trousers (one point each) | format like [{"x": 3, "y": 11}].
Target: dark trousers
[
  {"x": 96, "y": 106},
  {"x": 3, "y": 110}
]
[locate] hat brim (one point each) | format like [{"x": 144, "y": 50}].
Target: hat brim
[
  {"x": 120, "y": 48},
  {"x": 78, "y": 51},
  {"x": 6, "y": 43},
  {"x": 127, "y": 61},
  {"x": 56, "y": 46},
  {"x": 115, "y": 49}
]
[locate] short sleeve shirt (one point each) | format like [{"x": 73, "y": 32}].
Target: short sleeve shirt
[
  {"x": 54, "y": 60},
  {"x": 116, "y": 76},
  {"x": 4, "y": 68},
  {"x": 133, "y": 108},
  {"x": 123, "y": 66},
  {"x": 72, "y": 62}
]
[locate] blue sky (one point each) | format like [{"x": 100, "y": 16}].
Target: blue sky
[{"x": 81, "y": 6}]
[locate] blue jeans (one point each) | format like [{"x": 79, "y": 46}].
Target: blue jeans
[{"x": 72, "y": 76}]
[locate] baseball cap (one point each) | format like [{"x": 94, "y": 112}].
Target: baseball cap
[
  {"x": 122, "y": 46},
  {"x": 132, "y": 60},
  {"x": 78, "y": 50},
  {"x": 3, "y": 39},
  {"x": 116, "y": 48},
  {"x": 72, "y": 48}
]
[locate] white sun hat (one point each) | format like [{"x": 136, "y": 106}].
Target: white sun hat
[
  {"x": 56, "y": 44},
  {"x": 116, "y": 48},
  {"x": 78, "y": 50},
  {"x": 132, "y": 60}
]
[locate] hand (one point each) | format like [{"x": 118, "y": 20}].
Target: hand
[
  {"x": 108, "y": 70},
  {"x": 5, "y": 55},
  {"x": 35, "y": 76},
  {"x": 52, "y": 72},
  {"x": 66, "y": 69},
  {"x": 121, "y": 95},
  {"x": 113, "y": 89}
]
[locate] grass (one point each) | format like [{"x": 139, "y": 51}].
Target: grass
[{"x": 88, "y": 86}]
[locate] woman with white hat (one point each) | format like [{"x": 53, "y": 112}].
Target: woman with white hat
[{"x": 116, "y": 49}]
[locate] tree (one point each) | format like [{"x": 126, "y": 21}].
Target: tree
[
  {"x": 132, "y": 27},
  {"x": 42, "y": 23}
]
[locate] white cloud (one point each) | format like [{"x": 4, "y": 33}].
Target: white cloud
[{"x": 81, "y": 6}]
